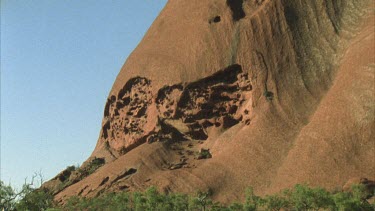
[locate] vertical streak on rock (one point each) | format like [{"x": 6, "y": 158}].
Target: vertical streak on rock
[{"x": 234, "y": 45}]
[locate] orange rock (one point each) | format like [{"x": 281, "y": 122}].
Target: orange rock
[{"x": 206, "y": 64}]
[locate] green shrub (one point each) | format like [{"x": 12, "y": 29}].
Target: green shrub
[
  {"x": 28, "y": 198},
  {"x": 203, "y": 154},
  {"x": 7, "y": 197},
  {"x": 35, "y": 199},
  {"x": 252, "y": 201},
  {"x": 304, "y": 198},
  {"x": 355, "y": 200},
  {"x": 79, "y": 173},
  {"x": 275, "y": 202},
  {"x": 93, "y": 166},
  {"x": 301, "y": 197}
]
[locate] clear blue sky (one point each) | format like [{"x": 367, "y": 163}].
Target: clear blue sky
[{"x": 59, "y": 60}]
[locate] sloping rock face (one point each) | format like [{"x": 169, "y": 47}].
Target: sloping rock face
[{"x": 277, "y": 92}]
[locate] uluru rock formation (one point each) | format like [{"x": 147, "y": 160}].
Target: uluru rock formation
[{"x": 229, "y": 94}]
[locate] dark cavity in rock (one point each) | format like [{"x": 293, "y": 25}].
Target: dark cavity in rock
[
  {"x": 216, "y": 19},
  {"x": 237, "y": 10}
]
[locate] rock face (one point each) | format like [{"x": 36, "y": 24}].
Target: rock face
[
  {"x": 182, "y": 111},
  {"x": 278, "y": 92}
]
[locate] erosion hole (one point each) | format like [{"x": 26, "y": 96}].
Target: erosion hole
[
  {"x": 237, "y": 9},
  {"x": 216, "y": 19}
]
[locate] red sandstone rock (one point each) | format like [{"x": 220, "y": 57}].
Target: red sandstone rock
[{"x": 280, "y": 91}]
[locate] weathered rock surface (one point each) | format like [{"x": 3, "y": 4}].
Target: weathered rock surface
[
  {"x": 280, "y": 91},
  {"x": 181, "y": 111}
]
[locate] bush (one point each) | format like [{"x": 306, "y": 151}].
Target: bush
[
  {"x": 92, "y": 166},
  {"x": 252, "y": 201},
  {"x": 66, "y": 173},
  {"x": 203, "y": 154},
  {"x": 355, "y": 200},
  {"x": 35, "y": 199},
  {"x": 301, "y": 197},
  {"x": 28, "y": 198},
  {"x": 73, "y": 174},
  {"x": 7, "y": 197},
  {"x": 304, "y": 198},
  {"x": 276, "y": 202}
]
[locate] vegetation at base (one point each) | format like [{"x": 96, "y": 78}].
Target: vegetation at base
[{"x": 301, "y": 197}]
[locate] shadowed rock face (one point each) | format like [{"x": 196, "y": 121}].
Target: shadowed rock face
[{"x": 274, "y": 91}]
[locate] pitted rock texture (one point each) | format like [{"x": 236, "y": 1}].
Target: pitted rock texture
[
  {"x": 184, "y": 111},
  {"x": 124, "y": 114}
]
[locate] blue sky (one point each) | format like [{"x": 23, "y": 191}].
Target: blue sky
[{"x": 59, "y": 60}]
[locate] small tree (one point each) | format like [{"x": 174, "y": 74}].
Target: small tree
[
  {"x": 28, "y": 198},
  {"x": 7, "y": 197},
  {"x": 33, "y": 198}
]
